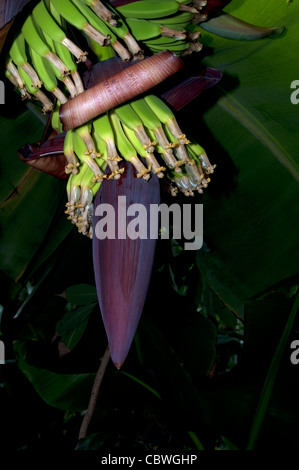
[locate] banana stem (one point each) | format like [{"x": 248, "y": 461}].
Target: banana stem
[
  {"x": 156, "y": 168},
  {"x": 36, "y": 83},
  {"x": 194, "y": 36},
  {"x": 57, "y": 62},
  {"x": 103, "y": 12},
  {"x": 78, "y": 82},
  {"x": 59, "y": 95},
  {"x": 133, "y": 47},
  {"x": 121, "y": 51},
  {"x": 183, "y": 7},
  {"x": 98, "y": 174},
  {"x": 144, "y": 139},
  {"x": 70, "y": 86},
  {"x": 199, "y": 4},
  {"x": 12, "y": 69},
  {"x": 175, "y": 130},
  {"x": 75, "y": 50},
  {"x": 142, "y": 171},
  {"x": 172, "y": 33},
  {"x": 98, "y": 37},
  {"x": 47, "y": 104},
  {"x": 199, "y": 18}
]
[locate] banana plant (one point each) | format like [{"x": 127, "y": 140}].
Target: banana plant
[{"x": 242, "y": 130}]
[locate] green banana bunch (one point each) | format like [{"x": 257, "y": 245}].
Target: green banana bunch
[
  {"x": 146, "y": 154},
  {"x": 143, "y": 131},
  {"x": 48, "y": 24},
  {"x": 47, "y": 75},
  {"x": 101, "y": 26},
  {"x": 73, "y": 81},
  {"x": 12, "y": 74},
  {"x": 73, "y": 16},
  {"x": 149, "y": 9},
  {"x": 18, "y": 57},
  {"x": 43, "y": 46}
]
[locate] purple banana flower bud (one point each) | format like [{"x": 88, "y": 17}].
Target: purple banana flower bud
[{"x": 123, "y": 265}]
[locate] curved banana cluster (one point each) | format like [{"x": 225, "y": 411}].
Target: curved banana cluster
[
  {"x": 42, "y": 56},
  {"x": 166, "y": 24},
  {"x": 42, "y": 63},
  {"x": 144, "y": 132},
  {"x": 44, "y": 51}
]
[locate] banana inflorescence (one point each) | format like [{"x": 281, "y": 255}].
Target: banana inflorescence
[{"x": 43, "y": 63}]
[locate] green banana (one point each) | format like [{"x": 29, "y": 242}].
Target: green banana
[
  {"x": 183, "y": 6},
  {"x": 97, "y": 23},
  {"x": 166, "y": 116},
  {"x": 68, "y": 11},
  {"x": 162, "y": 43},
  {"x": 126, "y": 148},
  {"x": 131, "y": 119},
  {"x": 36, "y": 92},
  {"x": 144, "y": 9},
  {"x": 36, "y": 42},
  {"x": 102, "y": 11},
  {"x": 201, "y": 155},
  {"x": 68, "y": 150},
  {"x": 47, "y": 76},
  {"x": 65, "y": 56},
  {"x": 102, "y": 149},
  {"x": 143, "y": 29},
  {"x": 55, "y": 121},
  {"x": 18, "y": 55},
  {"x": 156, "y": 168},
  {"x": 85, "y": 133},
  {"x": 181, "y": 18},
  {"x": 83, "y": 154},
  {"x": 204, "y": 174},
  {"x": 64, "y": 53},
  {"x": 103, "y": 129},
  {"x": 47, "y": 23}
]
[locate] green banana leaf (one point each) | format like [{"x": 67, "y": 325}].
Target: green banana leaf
[
  {"x": 251, "y": 130},
  {"x": 56, "y": 389},
  {"x": 26, "y": 196}
]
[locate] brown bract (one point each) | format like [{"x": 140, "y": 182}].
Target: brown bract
[
  {"x": 119, "y": 88},
  {"x": 48, "y": 158},
  {"x": 214, "y": 6}
]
